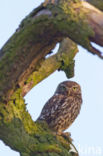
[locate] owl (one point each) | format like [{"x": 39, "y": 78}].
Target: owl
[{"x": 63, "y": 107}]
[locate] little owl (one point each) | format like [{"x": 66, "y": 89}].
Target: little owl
[{"x": 63, "y": 107}]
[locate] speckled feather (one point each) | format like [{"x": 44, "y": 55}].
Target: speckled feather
[{"x": 63, "y": 107}]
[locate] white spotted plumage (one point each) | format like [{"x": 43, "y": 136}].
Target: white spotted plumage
[{"x": 63, "y": 107}]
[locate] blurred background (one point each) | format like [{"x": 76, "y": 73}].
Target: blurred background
[{"x": 87, "y": 130}]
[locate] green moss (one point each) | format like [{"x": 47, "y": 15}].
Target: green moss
[
  {"x": 63, "y": 60},
  {"x": 73, "y": 24},
  {"x": 24, "y": 154},
  {"x": 47, "y": 148},
  {"x": 69, "y": 70},
  {"x": 64, "y": 142},
  {"x": 98, "y": 4},
  {"x": 53, "y": 154},
  {"x": 64, "y": 20},
  {"x": 16, "y": 108},
  {"x": 18, "y": 139},
  {"x": 16, "y": 50},
  {"x": 17, "y": 129}
]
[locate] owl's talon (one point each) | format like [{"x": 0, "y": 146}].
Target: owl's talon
[{"x": 67, "y": 136}]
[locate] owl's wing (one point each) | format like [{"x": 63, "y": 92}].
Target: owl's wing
[{"x": 54, "y": 106}]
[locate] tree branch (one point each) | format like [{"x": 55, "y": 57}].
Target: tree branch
[
  {"x": 22, "y": 134},
  {"x": 79, "y": 21},
  {"x": 23, "y": 64},
  {"x": 97, "y": 3},
  {"x": 63, "y": 60}
]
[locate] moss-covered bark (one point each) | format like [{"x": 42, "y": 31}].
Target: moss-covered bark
[
  {"x": 22, "y": 134},
  {"x": 97, "y": 3},
  {"x": 23, "y": 64},
  {"x": 39, "y": 33},
  {"x": 62, "y": 60}
]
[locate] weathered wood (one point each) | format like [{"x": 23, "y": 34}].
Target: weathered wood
[
  {"x": 97, "y": 3},
  {"x": 62, "y": 60},
  {"x": 79, "y": 21},
  {"x": 23, "y": 64}
]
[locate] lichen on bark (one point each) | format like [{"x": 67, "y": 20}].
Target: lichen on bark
[
  {"x": 23, "y": 64},
  {"x": 98, "y": 4},
  {"x": 22, "y": 134}
]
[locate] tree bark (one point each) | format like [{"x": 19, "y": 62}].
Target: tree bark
[
  {"x": 23, "y": 64},
  {"x": 98, "y": 4}
]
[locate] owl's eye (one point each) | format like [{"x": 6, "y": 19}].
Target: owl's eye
[
  {"x": 74, "y": 88},
  {"x": 63, "y": 88}
]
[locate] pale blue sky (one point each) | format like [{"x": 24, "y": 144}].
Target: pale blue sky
[{"x": 87, "y": 130}]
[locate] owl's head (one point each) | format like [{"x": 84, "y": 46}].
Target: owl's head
[{"x": 68, "y": 88}]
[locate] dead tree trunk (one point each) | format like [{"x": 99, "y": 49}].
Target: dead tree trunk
[{"x": 23, "y": 65}]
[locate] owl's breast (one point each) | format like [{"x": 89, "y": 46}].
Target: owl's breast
[{"x": 66, "y": 113}]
